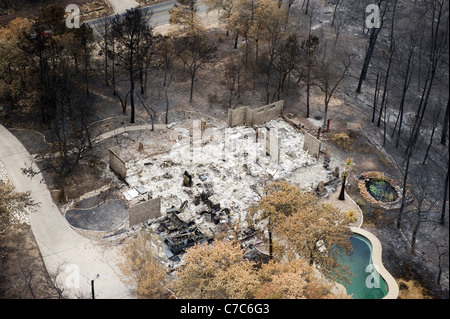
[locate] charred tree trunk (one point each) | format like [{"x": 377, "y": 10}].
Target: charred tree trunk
[
  {"x": 132, "y": 120},
  {"x": 405, "y": 180},
  {"x": 342, "y": 193},
  {"x": 406, "y": 83},
  {"x": 375, "y": 96},
  {"x": 445, "y": 126},
  {"x": 386, "y": 82},
  {"x": 368, "y": 57},
  {"x": 444, "y": 205}
]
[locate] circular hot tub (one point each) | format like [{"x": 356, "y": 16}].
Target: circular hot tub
[{"x": 380, "y": 190}]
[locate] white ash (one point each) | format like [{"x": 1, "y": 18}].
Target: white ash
[{"x": 225, "y": 163}]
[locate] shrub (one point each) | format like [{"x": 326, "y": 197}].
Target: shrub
[
  {"x": 342, "y": 139},
  {"x": 378, "y": 177},
  {"x": 351, "y": 216}
]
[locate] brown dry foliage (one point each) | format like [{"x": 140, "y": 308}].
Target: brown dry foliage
[
  {"x": 141, "y": 267},
  {"x": 216, "y": 271},
  {"x": 220, "y": 271}
]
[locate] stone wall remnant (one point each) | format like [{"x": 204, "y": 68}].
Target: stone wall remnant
[
  {"x": 258, "y": 116},
  {"x": 144, "y": 211},
  {"x": 312, "y": 145},
  {"x": 117, "y": 164},
  {"x": 274, "y": 146}
]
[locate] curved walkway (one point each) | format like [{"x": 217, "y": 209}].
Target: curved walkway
[
  {"x": 78, "y": 259},
  {"x": 124, "y": 129}
]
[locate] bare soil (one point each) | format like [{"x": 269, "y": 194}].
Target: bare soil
[{"x": 22, "y": 271}]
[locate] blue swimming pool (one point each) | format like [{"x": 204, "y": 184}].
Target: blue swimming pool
[{"x": 366, "y": 282}]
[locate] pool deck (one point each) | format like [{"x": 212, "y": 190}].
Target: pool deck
[
  {"x": 377, "y": 261},
  {"x": 348, "y": 204}
]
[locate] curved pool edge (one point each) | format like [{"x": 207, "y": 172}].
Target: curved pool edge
[{"x": 393, "y": 289}]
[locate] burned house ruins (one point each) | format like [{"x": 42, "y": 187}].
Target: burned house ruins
[{"x": 207, "y": 175}]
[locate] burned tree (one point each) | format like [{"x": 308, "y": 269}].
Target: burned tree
[
  {"x": 133, "y": 35},
  {"x": 437, "y": 47},
  {"x": 308, "y": 51},
  {"x": 388, "y": 71},
  {"x": 445, "y": 125},
  {"x": 195, "y": 51},
  {"x": 287, "y": 59},
  {"x": 330, "y": 74},
  {"x": 374, "y": 31},
  {"x": 165, "y": 58},
  {"x": 232, "y": 75}
]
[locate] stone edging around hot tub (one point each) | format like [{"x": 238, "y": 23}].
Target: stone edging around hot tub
[
  {"x": 377, "y": 261},
  {"x": 385, "y": 205}
]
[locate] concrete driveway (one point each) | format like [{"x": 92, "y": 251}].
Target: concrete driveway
[{"x": 78, "y": 259}]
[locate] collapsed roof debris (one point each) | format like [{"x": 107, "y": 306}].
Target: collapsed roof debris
[{"x": 207, "y": 181}]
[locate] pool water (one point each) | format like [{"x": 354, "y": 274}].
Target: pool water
[{"x": 366, "y": 283}]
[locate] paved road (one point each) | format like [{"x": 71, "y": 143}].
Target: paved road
[
  {"x": 79, "y": 259},
  {"x": 122, "y": 5},
  {"x": 159, "y": 13}
]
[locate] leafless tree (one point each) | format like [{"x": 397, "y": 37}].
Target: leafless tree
[
  {"x": 133, "y": 35},
  {"x": 103, "y": 36},
  {"x": 388, "y": 71},
  {"x": 438, "y": 50},
  {"x": 407, "y": 76},
  {"x": 376, "y": 95},
  {"x": 308, "y": 52},
  {"x": 444, "y": 134},
  {"x": 195, "y": 51},
  {"x": 444, "y": 202},
  {"x": 434, "y": 124},
  {"x": 232, "y": 74},
  {"x": 423, "y": 204},
  {"x": 441, "y": 246},
  {"x": 31, "y": 281},
  {"x": 287, "y": 60},
  {"x": 332, "y": 67},
  {"x": 166, "y": 55},
  {"x": 374, "y": 32}
]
